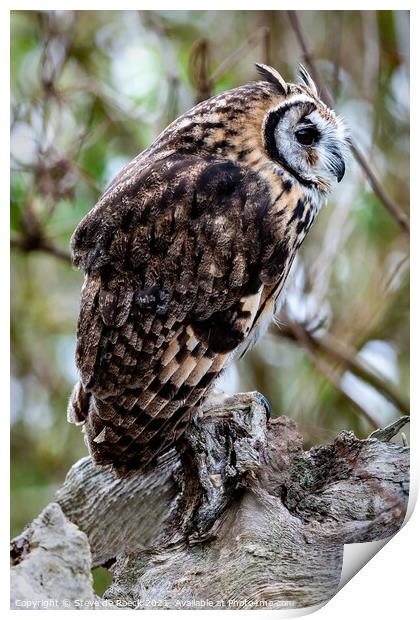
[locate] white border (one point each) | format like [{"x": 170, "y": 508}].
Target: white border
[{"x": 386, "y": 586}]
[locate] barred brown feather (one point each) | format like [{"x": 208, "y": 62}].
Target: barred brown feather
[{"x": 185, "y": 256}]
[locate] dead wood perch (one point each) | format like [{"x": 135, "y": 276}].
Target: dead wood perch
[{"x": 244, "y": 518}]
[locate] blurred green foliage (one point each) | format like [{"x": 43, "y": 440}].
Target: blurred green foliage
[{"x": 92, "y": 89}]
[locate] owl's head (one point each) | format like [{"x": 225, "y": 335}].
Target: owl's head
[
  {"x": 265, "y": 124},
  {"x": 302, "y": 134}
]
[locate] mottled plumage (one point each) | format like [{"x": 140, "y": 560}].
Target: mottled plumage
[{"x": 185, "y": 256}]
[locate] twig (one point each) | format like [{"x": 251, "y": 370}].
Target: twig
[
  {"x": 336, "y": 50},
  {"x": 341, "y": 354},
  {"x": 331, "y": 374},
  {"x": 375, "y": 184},
  {"x": 199, "y": 60},
  {"x": 347, "y": 359},
  {"x": 387, "y": 433},
  {"x": 199, "y": 65},
  {"x": 255, "y": 38},
  {"x": 363, "y": 371},
  {"x": 42, "y": 245},
  {"x": 265, "y": 45}
]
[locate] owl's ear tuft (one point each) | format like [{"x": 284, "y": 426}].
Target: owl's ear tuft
[
  {"x": 305, "y": 78},
  {"x": 272, "y": 76}
]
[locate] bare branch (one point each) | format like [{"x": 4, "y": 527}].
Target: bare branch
[
  {"x": 265, "y": 45},
  {"x": 375, "y": 184},
  {"x": 377, "y": 187},
  {"x": 361, "y": 369},
  {"x": 348, "y": 360},
  {"x": 387, "y": 433},
  {"x": 199, "y": 65},
  {"x": 241, "y": 516},
  {"x": 254, "y": 39},
  {"x": 330, "y": 373},
  {"x": 42, "y": 245}
]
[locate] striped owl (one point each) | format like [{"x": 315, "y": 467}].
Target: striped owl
[{"x": 185, "y": 256}]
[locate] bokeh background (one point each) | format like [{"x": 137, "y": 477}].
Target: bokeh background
[{"x": 92, "y": 89}]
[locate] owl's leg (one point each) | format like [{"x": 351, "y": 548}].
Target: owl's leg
[
  {"x": 212, "y": 402},
  {"x": 216, "y": 401}
]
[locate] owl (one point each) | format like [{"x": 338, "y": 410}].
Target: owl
[{"x": 185, "y": 256}]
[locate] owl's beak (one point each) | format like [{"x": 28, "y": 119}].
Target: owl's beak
[{"x": 339, "y": 167}]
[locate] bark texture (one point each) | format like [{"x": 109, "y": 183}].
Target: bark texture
[
  {"x": 51, "y": 564},
  {"x": 243, "y": 517}
]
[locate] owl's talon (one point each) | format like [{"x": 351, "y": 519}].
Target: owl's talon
[{"x": 265, "y": 403}]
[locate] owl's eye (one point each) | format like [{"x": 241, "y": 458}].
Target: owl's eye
[{"x": 307, "y": 135}]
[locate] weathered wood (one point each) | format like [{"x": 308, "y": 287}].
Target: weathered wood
[
  {"x": 51, "y": 564},
  {"x": 244, "y": 517}
]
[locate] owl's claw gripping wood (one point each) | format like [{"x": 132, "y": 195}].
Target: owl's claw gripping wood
[
  {"x": 265, "y": 403},
  {"x": 186, "y": 254},
  {"x": 214, "y": 401}
]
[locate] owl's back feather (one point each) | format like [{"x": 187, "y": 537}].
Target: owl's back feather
[
  {"x": 173, "y": 265},
  {"x": 186, "y": 254}
]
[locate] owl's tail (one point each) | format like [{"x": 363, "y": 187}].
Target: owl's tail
[
  {"x": 82, "y": 410},
  {"x": 112, "y": 432},
  {"x": 78, "y": 407}
]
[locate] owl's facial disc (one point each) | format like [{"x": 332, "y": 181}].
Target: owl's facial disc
[{"x": 308, "y": 140}]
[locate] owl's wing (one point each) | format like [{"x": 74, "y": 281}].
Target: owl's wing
[{"x": 175, "y": 259}]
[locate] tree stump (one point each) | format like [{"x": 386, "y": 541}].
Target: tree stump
[{"x": 241, "y": 518}]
